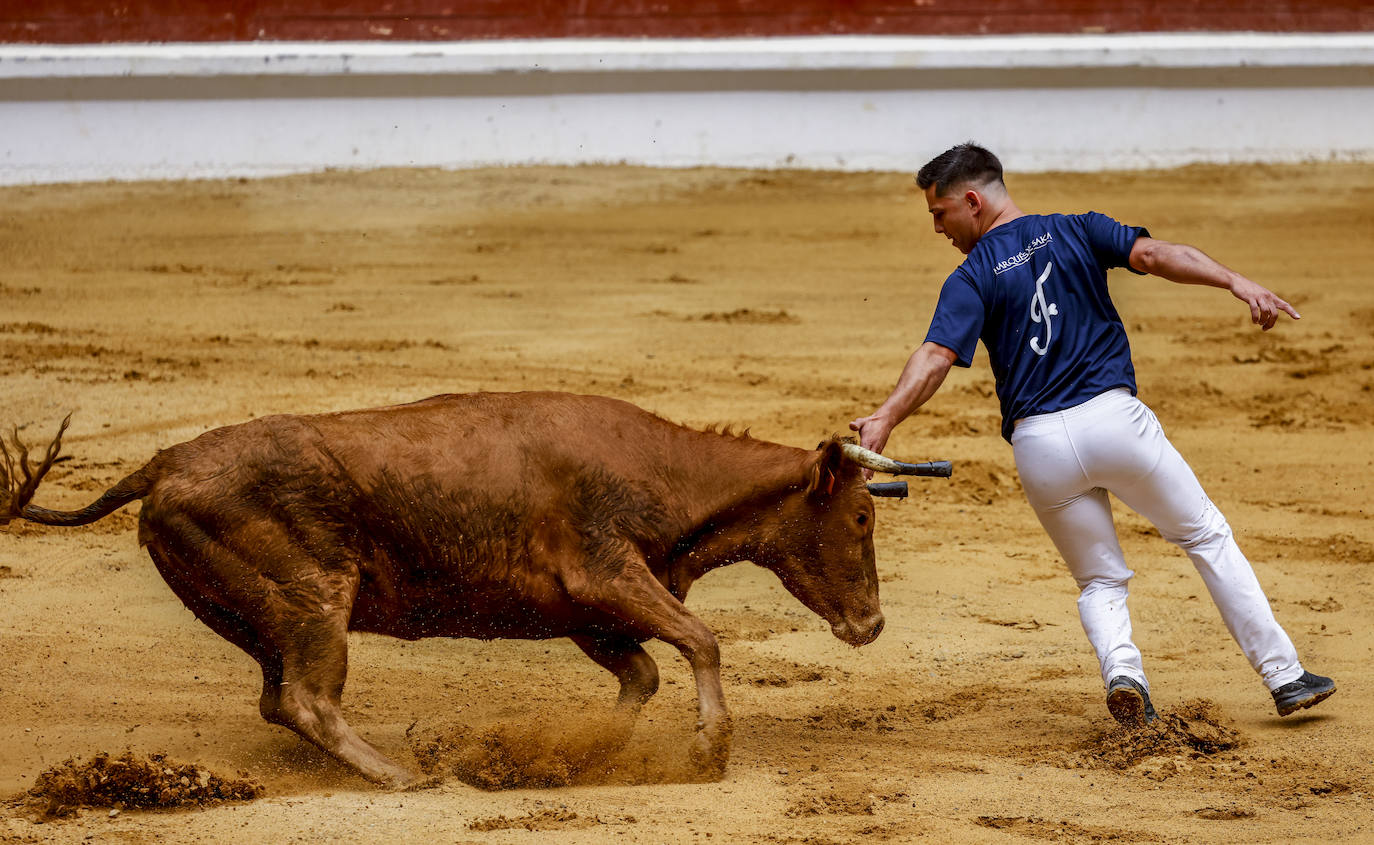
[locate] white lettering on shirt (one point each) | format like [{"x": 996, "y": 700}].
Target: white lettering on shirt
[
  {"x": 1023, "y": 256},
  {"x": 1039, "y": 310}
]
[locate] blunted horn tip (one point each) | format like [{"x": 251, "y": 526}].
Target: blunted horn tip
[{"x": 869, "y": 459}]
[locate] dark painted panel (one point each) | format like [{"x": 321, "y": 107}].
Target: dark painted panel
[{"x": 76, "y": 21}]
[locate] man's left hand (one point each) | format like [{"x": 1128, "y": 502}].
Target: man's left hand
[{"x": 1264, "y": 304}]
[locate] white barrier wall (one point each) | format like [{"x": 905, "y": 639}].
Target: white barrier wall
[{"x": 871, "y": 102}]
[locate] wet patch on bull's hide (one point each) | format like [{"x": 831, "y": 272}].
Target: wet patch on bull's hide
[
  {"x": 435, "y": 535},
  {"x": 607, "y": 512},
  {"x": 438, "y": 532},
  {"x": 316, "y": 505},
  {"x": 597, "y": 750}
]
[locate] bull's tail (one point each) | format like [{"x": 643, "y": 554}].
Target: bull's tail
[{"x": 19, "y": 481}]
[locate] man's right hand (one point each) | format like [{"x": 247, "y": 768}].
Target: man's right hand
[
  {"x": 923, "y": 374},
  {"x": 873, "y": 433}
]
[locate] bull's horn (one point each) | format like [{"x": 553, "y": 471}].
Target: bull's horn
[
  {"x": 872, "y": 460},
  {"x": 869, "y": 459}
]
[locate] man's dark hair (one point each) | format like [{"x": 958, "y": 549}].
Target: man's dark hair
[{"x": 961, "y": 165}]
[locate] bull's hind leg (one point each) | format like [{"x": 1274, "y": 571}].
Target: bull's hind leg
[
  {"x": 314, "y": 664},
  {"x": 289, "y": 614},
  {"x": 631, "y": 665},
  {"x": 226, "y": 623},
  {"x": 638, "y": 676}
]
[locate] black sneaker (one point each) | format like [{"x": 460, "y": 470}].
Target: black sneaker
[
  {"x": 1129, "y": 703},
  {"x": 1304, "y": 692}
]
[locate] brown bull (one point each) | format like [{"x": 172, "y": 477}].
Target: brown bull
[{"x": 530, "y": 515}]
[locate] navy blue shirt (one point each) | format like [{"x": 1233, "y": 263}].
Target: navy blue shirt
[{"x": 1034, "y": 290}]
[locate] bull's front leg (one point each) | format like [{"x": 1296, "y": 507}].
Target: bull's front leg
[
  {"x": 711, "y": 747},
  {"x": 639, "y": 601}
]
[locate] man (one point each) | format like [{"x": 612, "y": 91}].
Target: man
[{"x": 1034, "y": 290}]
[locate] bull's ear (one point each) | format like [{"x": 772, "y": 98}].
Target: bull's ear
[{"x": 824, "y": 471}]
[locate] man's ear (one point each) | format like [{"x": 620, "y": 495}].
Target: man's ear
[{"x": 974, "y": 200}]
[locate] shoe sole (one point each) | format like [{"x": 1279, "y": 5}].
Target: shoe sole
[
  {"x": 1304, "y": 703},
  {"x": 1127, "y": 706}
]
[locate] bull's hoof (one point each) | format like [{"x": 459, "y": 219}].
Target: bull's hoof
[
  {"x": 709, "y": 755},
  {"x": 401, "y": 780}
]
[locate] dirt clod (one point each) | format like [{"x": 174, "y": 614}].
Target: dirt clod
[
  {"x": 132, "y": 781},
  {"x": 1194, "y": 727}
]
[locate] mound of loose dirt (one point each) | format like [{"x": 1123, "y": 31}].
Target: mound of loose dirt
[
  {"x": 133, "y": 781},
  {"x": 505, "y": 756},
  {"x": 1195, "y": 728},
  {"x": 511, "y": 757}
]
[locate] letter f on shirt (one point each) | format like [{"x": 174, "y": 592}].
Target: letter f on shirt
[{"x": 1039, "y": 310}]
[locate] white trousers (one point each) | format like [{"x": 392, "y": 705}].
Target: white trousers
[{"x": 1069, "y": 460}]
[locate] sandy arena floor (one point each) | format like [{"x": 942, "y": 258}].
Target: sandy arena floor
[{"x": 785, "y": 302}]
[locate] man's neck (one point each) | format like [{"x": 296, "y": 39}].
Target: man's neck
[{"x": 1003, "y": 212}]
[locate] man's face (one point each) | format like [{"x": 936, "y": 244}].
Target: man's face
[{"x": 955, "y": 215}]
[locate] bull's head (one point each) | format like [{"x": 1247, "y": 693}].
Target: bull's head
[{"x": 821, "y": 546}]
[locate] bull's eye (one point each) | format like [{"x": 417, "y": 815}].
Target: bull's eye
[{"x": 863, "y": 519}]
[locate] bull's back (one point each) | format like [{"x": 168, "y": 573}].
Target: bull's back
[
  {"x": 494, "y": 439},
  {"x": 502, "y": 443}
]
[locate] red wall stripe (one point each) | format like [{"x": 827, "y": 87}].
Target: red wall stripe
[{"x": 104, "y": 21}]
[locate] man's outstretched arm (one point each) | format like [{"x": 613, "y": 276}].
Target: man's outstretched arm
[
  {"x": 1191, "y": 266},
  {"x": 923, "y": 374}
]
